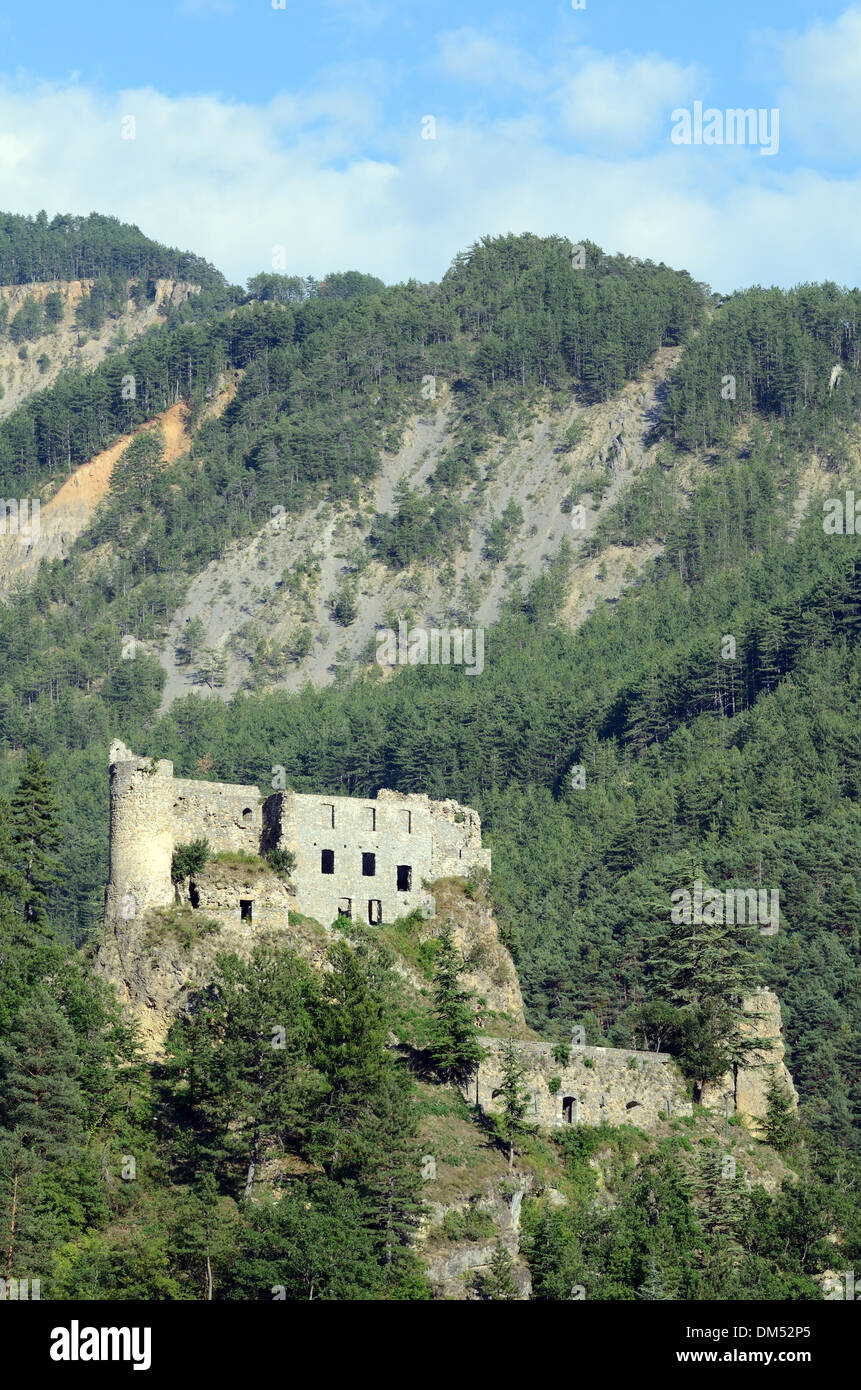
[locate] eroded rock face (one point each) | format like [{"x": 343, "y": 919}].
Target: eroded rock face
[
  {"x": 451, "y": 1267},
  {"x": 490, "y": 972},
  {"x": 156, "y": 968}
]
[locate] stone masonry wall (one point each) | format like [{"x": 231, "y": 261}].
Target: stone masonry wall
[
  {"x": 368, "y": 857},
  {"x": 598, "y": 1084}
]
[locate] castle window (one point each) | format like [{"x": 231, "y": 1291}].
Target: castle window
[
  {"x": 369, "y": 865},
  {"x": 245, "y": 909},
  {"x": 375, "y": 912},
  {"x": 193, "y": 895},
  {"x": 345, "y": 907},
  {"x": 328, "y": 815},
  {"x": 631, "y": 1103},
  {"x": 408, "y": 821},
  {"x": 369, "y": 815},
  {"x": 570, "y": 1110},
  {"x": 405, "y": 878},
  {"x": 327, "y": 861},
  {"x": 247, "y": 816}
]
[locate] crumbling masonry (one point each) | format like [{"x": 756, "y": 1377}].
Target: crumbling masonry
[{"x": 366, "y": 858}]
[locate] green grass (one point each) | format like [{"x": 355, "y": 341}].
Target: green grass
[
  {"x": 184, "y": 924},
  {"x": 403, "y": 937},
  {"x": 237, "y": 858}
]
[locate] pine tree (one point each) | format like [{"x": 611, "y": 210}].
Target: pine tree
[
  {"x": 42, "y": 1148},
  {"x": 704, "y": 972},
  {"x": 204, "y": 1236},
  {"x": 239, "y": 1073},
  {"x": 498, "y": 1284},
  {"x": 514, "y": 1099},
  {"x": 35, "y": 839},
  {"x": 779, "y": 1125},
  {"x": 454, "y": 1048},
  {"x": 350, "y": 1051},
  {"x": 386, "y": 1163},
  {"x": 652, "y": 1288}
]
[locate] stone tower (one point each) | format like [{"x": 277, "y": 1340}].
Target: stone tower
[{"x": 141, "y": 834}]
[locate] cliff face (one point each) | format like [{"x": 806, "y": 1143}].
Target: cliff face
[
  {"x": 490, "y": 972},
  {"x": 156, "y": 958}
]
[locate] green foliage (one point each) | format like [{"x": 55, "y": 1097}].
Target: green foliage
[
  {"x": 344, "y": 605},
  {"x": 779, "y": 1125},
  {"x": 454, "y": 1048},
  {"x": 281, "y": 860},
  {"x": 180, "y": 923},
  {"x": 189, "y": 859},
  {"x": 513, "y": 1099},
  {"x": 53, "y": 305},
  {"x": 574, "y": 434},
  {"x": 75, "y": 248},
  {"x": 741, "y": 772},
  {"x": 29, "y": 322},
  {"x": 35, "y": 839},
  {"x": 780, "y": 348},
  {"x": 498, "y": 1285},
  {"x": 472, "y": 1223}
]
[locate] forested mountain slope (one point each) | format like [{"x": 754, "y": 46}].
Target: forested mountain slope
[{"x": 614, "y": 754}]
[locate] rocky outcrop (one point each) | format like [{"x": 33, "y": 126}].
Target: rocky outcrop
[
  {"x": 490, "y": 972},
  {"x": 748, "y": 1085},
  {"x": 452, "y": 1266},
  {"x": 66, "y": 346}
]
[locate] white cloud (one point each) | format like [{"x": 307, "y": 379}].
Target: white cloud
[
  {"x": 231, "y": 180},
  {"x": 622, "y": 102},
  {"x": 483, "y": 60},
  {"x": 820, "y": 92}
]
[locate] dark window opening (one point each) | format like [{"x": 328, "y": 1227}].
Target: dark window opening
[
  {"x": 345, "y": 907},
  {"x": 193, "y": 895},
  {"x": 245, "y": 909},
  {"x": 369, "y": 865},
  {"x": 632, "y": 1103},
  {"x": 569, "y": 1109},
  {"x": 375, "y": 912},
  {"x": 327, "y": 861},
  {"x": 405, "y": 878},
  {"x": 247, "y": 815}
]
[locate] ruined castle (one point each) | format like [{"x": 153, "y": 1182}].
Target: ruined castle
[
  {"x": 364, "y": 858},
  {"x": 371, "y": 859}
]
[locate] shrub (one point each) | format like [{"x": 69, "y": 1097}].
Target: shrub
[
  {"x": 189, "y": 859},
  {"x": 283, "y": 861}
]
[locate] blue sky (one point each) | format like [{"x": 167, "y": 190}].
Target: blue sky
[{"x": 266, "y": 137}]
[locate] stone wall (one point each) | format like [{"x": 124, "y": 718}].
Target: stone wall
[
  {"x": 599, "y": 1084},
  {"x": 620, "y": 1086},
  {"x": 229, "y": 817},
  {"x": 370, "y": 858}
]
